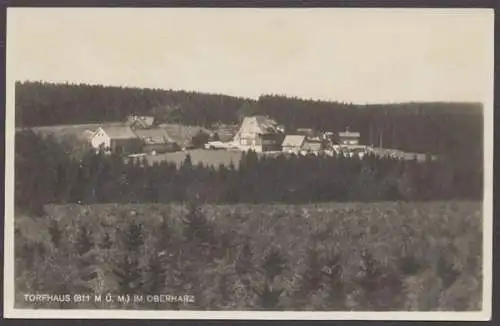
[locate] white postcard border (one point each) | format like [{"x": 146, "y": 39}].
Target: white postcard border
[{"x": 484, "y": 315}]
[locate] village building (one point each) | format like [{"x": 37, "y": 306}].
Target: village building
[
  {"x": 312, "y": 146},
  {"x": 156, "y": 140},
  {"x": 347, "y": 138},
  {"x": 301, "y": 144},
  {"x": 140, "y": 122},
  {"x": 328, "y": 135},
  {"x": 259, "y": 133},
  {"x": 118, "y": 139},
  {"x": 293, "y": 143}
]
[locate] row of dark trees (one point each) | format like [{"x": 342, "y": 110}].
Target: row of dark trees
[
  {"x": 439, "y": 128},
  {"x": 46, "y": 173},
  {"x": 39, "y": 104}
]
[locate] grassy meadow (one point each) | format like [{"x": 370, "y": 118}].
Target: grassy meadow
[
  {"x": 329, "y": 256},
  {"x": 200, "y": 156}
]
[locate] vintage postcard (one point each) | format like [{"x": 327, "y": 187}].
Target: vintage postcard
[{"x": 249, "y": 163}]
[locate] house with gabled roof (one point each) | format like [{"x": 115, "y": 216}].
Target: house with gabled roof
[
  {"x": 140, "y": 122},
  {"x": 119, "y": 139},
  {"x": 301, "y": 144},
  {"x": 293, "y": 143},
  {"x": 259, "y": 133},
  {"x": 156, "y": 140},
  {"x": 312, "y": 145}
]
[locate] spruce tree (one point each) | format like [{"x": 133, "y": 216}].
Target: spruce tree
[
  {"x": 156, "y": 273},
  {"x": 127, "y": 269},
  {"x": 311, "y": 278},
  {"x": 197, "y": 229},
  {"x": 244, "y": 261},
  {"x": 84, "y": 241},
  {"x": 268, "y": 296},
  {"x": 332, "y": 272}
]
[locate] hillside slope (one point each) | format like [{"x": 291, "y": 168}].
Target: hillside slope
[{"x": 331, "y": 256}]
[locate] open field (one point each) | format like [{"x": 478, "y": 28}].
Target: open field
[
  {"x": 207, "y": 157},
  {"x": 180, "y": 133},
  {"x": 330, "y": 256},
  {"x": 65, "y": 131}
]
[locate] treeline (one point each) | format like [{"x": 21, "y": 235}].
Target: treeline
[
  {"x": 40, "y": 104},
  {"x": 45, "y": 173},
  {"x": 439, "y": 128}
]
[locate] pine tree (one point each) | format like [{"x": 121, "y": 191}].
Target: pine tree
[
  {"x": 84, "y": 241},
  {"x": 155, "y": 273},
  {"x": 128, "y": 270},
  {"x": 332, "y": 271},
  {"x": 84, "y": 244},
  {"x": 268, "y": 296},
  {"x": 197, "y": 229},
  {"x": 244, "y": 261},
  {"x": 274, "y": 264},
  {"x": 380, "y": 285},
  {"x": 311, "y": 278}
]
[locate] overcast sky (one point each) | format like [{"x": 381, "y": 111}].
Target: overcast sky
[{"x": 352, "y": 55}]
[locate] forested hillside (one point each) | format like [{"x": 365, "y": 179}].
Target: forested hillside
[
  {"x": 451, "y": 128},
  {"x": 326, "y": 257},
  {"x": 40, "y": 104}
]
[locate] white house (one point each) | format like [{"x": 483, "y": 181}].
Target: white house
[
  {"x": 120, "y": 139},
  {"x": 259, "y": 133}
]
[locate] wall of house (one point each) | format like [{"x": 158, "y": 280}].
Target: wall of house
[
  {"x": 349, "y": 141},
  {"x": 256, "y": 148},
  {"x": 126, "y": 146},
  {"x": 272, "y": 142},
  {"x": 249, "y": 137},
  {"x": 160, "y": 148},
  {"x": 312, "y": 146},
  {"x": 100, "y": 139},
  {"x": 248, "y": 134},
  {"x": 291, "y": 149}
]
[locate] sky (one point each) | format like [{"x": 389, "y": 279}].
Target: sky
[{"x": 350, "y": 55}]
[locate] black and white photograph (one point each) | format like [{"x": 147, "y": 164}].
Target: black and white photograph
[{"x": 217, "y": 163}]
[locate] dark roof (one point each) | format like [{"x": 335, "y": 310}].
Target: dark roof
[
  {"x": 266, "y": 124},
  {"x": 153, "y": 135},
  {"x": 182, "y": 134},
  {"x": 143, "y": 121}
]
